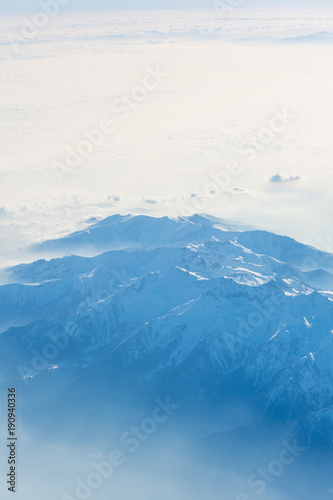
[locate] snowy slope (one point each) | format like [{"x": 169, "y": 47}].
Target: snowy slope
[
  {"x": 193, "y": 307},
  {"x": 119, "y": 232}
]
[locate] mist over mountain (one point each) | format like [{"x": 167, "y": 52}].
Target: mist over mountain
[{"x": 229, "y": 328}]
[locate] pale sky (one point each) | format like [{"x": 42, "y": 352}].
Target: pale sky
[
  {"x": 31, "y": 6},
  {"x": 216, "y": 104}
]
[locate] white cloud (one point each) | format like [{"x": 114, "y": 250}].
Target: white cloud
[
  {"x": 169, "y": 151},
  {"x": 149, "y": 200},
  {"x": 236, "y": 191},
  {"x": 3, "y": 211},
  {"x": 115, "y": 198},
  {"x": 284, "y": 178}
]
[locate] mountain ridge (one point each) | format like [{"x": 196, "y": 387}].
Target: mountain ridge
[{"x": 234, "y": 297}]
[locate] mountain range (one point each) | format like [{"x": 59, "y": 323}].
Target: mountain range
[{"x": 234, "y": 324}]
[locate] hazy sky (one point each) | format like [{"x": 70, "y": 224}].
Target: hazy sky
[
  {"x": 30, "y": 6},
  {"x": 267, "y": 107}
]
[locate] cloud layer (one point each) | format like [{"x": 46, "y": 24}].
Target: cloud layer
[{"x": 204, "y": 134}]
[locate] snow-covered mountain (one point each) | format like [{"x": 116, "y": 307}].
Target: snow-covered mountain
[
  {"x": 133, "y": 232},
  {"x": 195, "y": 308},
  {"x": 188, "y": 289},
  {"x": 123, "y": 232}
]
